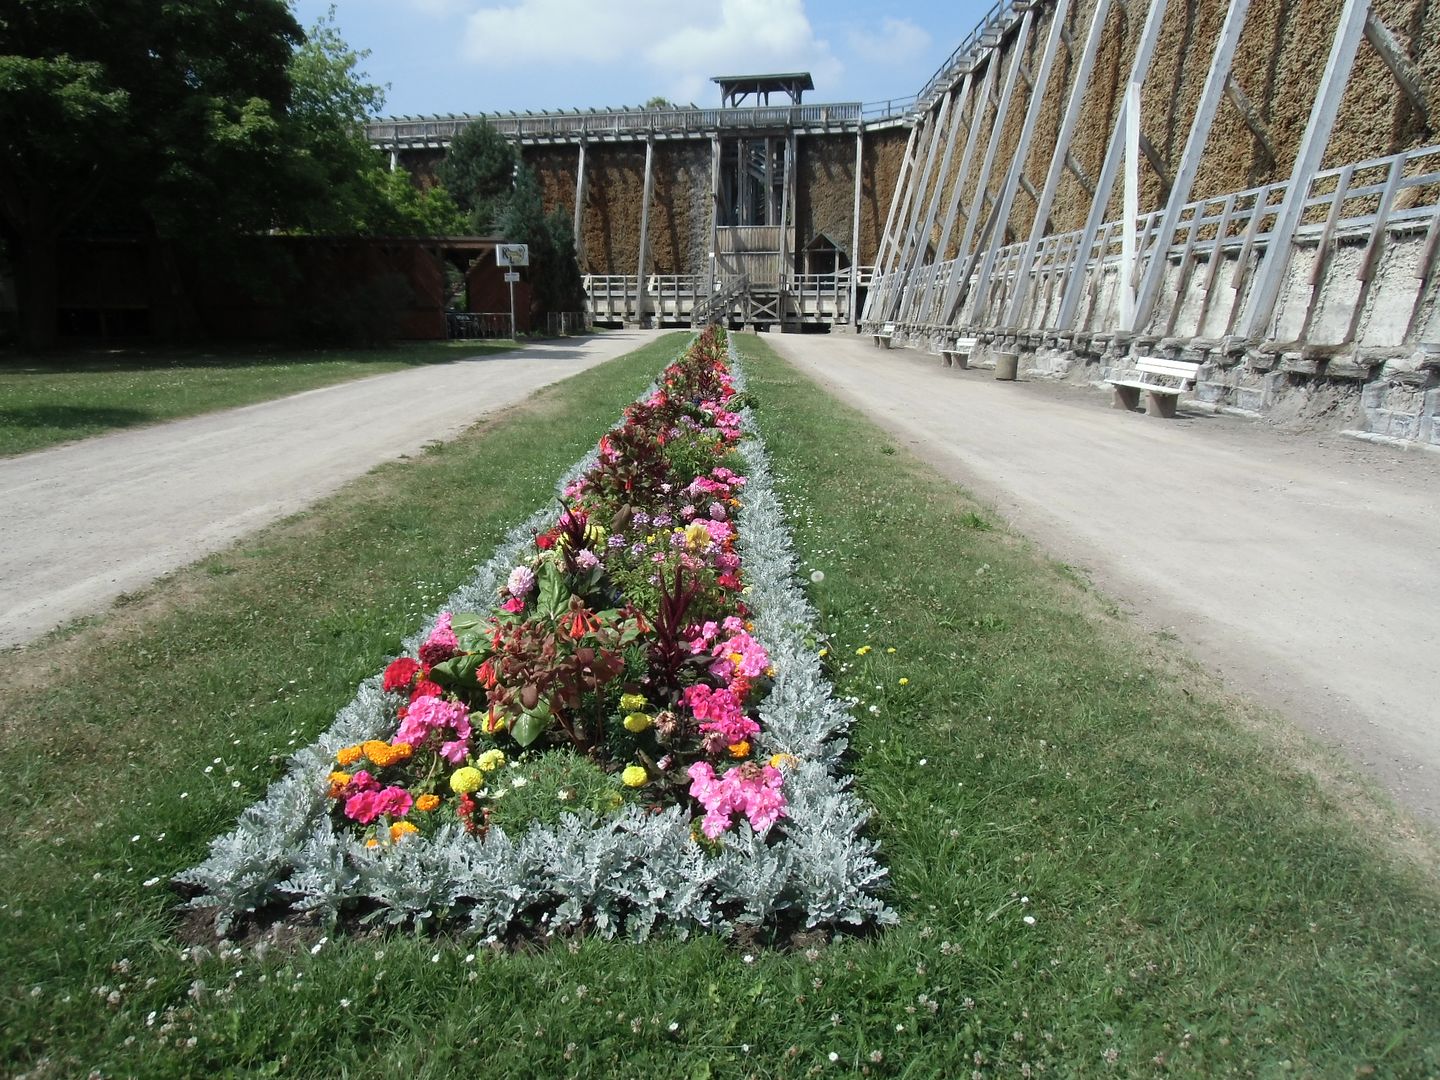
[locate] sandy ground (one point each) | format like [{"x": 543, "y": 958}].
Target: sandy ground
[
  {"x": 1300, "y": 567},
  {"x": 85, "y": 522}
]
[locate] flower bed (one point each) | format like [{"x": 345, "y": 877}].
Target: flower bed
[{"x": 618, "y": 722}]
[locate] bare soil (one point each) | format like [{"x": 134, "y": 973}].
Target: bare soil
[{"x": 1293, "y": 562}]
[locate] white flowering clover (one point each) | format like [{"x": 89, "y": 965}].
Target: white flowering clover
[{"x": 632, "y": 872}]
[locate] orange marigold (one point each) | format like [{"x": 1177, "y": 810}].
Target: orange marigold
[
  {"x": 427, "y": 803},
  {"x": 338, "y": 780},
  {"x": 740, "y": 749},
  {"x": 401, "y": 829},
  {"x": 350, "y": 754},
  {"x": 382, "y": 754}
]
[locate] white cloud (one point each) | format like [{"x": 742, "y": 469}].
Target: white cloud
[
  {"x": 677, "y": 46},
  {"x": 896, "y": 41}
]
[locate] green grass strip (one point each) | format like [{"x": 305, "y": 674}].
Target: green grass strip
[
  {"x": 1195, "y": 901},
  {"x": 80, "y": 395}
]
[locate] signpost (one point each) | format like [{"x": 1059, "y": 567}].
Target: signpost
[{"x": 512, "y": 255}]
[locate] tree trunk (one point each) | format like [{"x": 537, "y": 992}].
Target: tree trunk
[{"x": 37, "y": 289}]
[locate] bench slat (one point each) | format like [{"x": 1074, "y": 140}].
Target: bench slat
[
  {"x": 1160, "y": 366},
  {"x": 1155, "y": 388}
]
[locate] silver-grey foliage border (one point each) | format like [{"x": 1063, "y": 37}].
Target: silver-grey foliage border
[{"x": 631, "y": 872}]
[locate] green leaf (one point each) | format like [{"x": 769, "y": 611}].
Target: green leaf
[
  {"x": 458, "y": 669},
  {"x": 554, "y": 595},
  {"x": 531, "y": 724}
]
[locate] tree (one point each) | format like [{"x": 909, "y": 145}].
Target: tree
[
  {"x": 337, "y": 182},
  {"x": 554, "y": 272},
  {"x": 169, "y": 113},
  {"x": 479, "y": 171}
]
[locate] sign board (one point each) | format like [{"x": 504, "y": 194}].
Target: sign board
[
  {"x": 512, "y": 254},
  {"x": 511, "y": 275}
]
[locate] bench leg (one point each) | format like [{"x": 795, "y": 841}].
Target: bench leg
[
  {"x": 1161, "y": 405},
  {"x": 947, "y": 359},
  {"x": 1126, "y": 397}
]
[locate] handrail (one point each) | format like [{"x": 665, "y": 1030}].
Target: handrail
[{"x": 393, "y": 130}]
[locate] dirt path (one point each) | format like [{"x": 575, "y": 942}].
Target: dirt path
[
  {"x": 1302, "y": 568},
  {"x": 83, "y": 523}
]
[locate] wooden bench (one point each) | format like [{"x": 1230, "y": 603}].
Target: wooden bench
[
  {"x": 884, "y": 334},
  {"x": 957, "y": 354},
  {"x": 1162, "y": 380}
]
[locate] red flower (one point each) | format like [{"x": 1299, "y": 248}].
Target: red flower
[
  {"x": 544, "y": 541},
  {"x": 400, "y": 673},
  {"x": 426, "y": 688}
]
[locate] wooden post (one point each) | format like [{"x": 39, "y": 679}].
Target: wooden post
[
  {"x": 1105, "y": 184},
  {"x": 855, "y": 226},
  {"x": 1210, "y": 96},
  {"x": 644, "y": 229},
  {"x": 1132, "y": 207},
  {"x": 787, "y": 180},
  {"x": 964, "y": 258},
  {"x": 580, "y": 192},
  {"x": 1307, "y": 161},
  {"x": 715, "y": 197},
  {"x": 957, "y": 190},
  {"x": 1001, "y": 217},
  {"x": 1058, "y": 159}
]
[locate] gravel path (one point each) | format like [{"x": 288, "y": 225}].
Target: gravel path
[
  {"x": 86, "y": 522},
  {"x": 1301, "y": 567}
]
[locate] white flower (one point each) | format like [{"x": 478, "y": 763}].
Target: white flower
[
  {"x": 833, "y": 1056},
  {"x": 1029, "y": 920},
  {"x": 817, "y": 576}
]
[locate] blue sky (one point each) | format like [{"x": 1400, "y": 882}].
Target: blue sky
[{"x": 464, "y": 56}]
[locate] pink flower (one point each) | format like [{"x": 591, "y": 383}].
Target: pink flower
[
  {"x": 723, "y": 720},
  {"x": 514, "y": 605},
  {"x": 442, "y": 644},
  {"x": 586, "y": 559},
  {"x": 739, "y": 655},
  {"x": 521, "y": 581},
  {"x": 749, "y": 789},
  {"x": 429, "y": 715},
  {"x": 455, "y": 752}
]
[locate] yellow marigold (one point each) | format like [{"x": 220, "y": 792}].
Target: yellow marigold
[
  {"x": 739, "y": 749},
  {"x": 372, "y": 842},
  {"x": 493, "y": 724},
  {"x": 862, "y": 650},
  {"x": 632, "y": 702},
  {"x": 637, "y": 722},
  {"x": 350, "y": 754},
  {"x": 466, "y": 780},
  {"x": 904, "y": 681},
  {"x": 400, "y": 829},
  {"x": 783, "y": 761},
  {"x": 426, "y": 803},
  {"x": 634, "y": 776},
  {"x": 490, "y": 760},
  {"x": 338, "y": 780}
]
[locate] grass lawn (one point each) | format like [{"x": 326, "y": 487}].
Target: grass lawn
[
  {"x": 1099, "y": 868},
  {"x": 77, "y": 395}
]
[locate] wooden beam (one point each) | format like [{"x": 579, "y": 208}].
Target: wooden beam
[
  {"x": 1398, "y": 61},
  {"x": 646, "y": 190},
  {"x": 1001, "y": 217},
  {"x": 1058, "y": 159},
  {"x": 1210, "y": 96},
  {"x": 1159, "y": 164},
  {"x": 960, "y": 98},
  {"x": 1132, "y": 206},
  {"x": 715, "y": 206},
  {"x": 909, "y": 255},
  {"x": 1307, "y": 162},
  {"x": 1105, "y": 184},
  {"x": 580, "y": 192},
  {"x": 964, "y": 258},
  {"x": 855, "y": 226},
  {"x": 1080, "y": 175},
  {"x": 1251, "y": 115}
]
